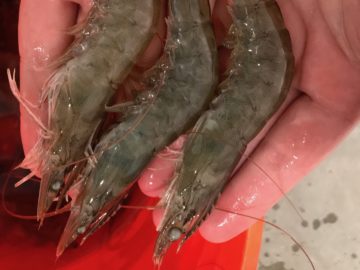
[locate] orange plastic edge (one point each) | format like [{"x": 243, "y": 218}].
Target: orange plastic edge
[{"x": 253, "y": 246}]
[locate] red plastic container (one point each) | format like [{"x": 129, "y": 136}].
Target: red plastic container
[{"x": 126, "y": 242}]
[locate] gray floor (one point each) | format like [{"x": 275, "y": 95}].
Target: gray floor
[{"x": 329, "y": 199}]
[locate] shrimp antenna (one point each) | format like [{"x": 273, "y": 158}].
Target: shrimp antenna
[
  {"x": 292, "y": 238},
  {"x": 276, "y": 227},
  {"x": 140, "y": 207},
  {"x": 293, "y": 206},
  {"x": 67, "y": 208}
]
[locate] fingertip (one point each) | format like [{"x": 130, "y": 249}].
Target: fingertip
[
  {"x": 216, "y": 231},
  {"x": 212, "y": 4},
  {"x": 85, "y": 7},
  {"x": 155, "y": 48},
  {"x": 246, "y": 198},
  {"x": 152, "y": 52},
  {"x": 222, "y": 21},
  {"x": 155, "y": 177},
  {"x": 222, "y": 226}
]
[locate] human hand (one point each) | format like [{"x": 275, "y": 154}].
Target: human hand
[{"x": 321, "y": 108}]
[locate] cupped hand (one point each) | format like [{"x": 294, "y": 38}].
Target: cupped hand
[{"x": 323, "y": 104}]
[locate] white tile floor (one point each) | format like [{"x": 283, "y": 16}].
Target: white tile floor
[{"x": 329, "y": 199}]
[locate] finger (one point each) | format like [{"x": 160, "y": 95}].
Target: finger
[
  {"x": 296, "y": 143},
  {"x": 84, "y": 8},
  {"x": 42, "y": 39},
  {"x": 212, "y": 4},
  {"x": 155, "y": 178},
  {"x": 221, "y": 20},
  {"x": 155, "y": 48}
]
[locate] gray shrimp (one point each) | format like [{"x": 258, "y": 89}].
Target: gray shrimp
[
  {"x": 258, "y": 80},
  {"x": 179, "y": 88},
  {"x": 106, "y": 47}
]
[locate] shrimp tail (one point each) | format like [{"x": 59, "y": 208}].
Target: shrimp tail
[
  {"x": 37, "y": 160},
  {"x": 32, "y": 162},
  {"x": 34, "y": 158}
]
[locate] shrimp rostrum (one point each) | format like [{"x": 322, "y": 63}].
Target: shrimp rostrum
[
  {"x": 257, "y": 82},
  {"x": 105, "y": 48},
  {"x": 177, "y": 89}
]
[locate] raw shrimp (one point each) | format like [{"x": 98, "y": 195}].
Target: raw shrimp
[
  {"x": 258, "y": 80},
  {"x": 106, "y": 47},
  {"x": 179, "y": 88}
]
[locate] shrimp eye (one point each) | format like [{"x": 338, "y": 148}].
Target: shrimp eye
[
  {"x": 174, "y": 234},
  {"x": 81, "y": 230},
  {"x": 56, "y": 186}
]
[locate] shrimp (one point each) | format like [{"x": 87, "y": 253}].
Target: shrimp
[
  {"x": 106, "y": 47},
  {"x": 178, "y": 88},
  {"x": 258, "y": 79}
]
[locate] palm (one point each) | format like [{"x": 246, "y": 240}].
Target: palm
[
  {"x": 328, "y": 54},
  {"x": 321, "y": 108}
]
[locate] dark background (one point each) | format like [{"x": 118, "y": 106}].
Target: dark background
[{"x": 10, "y": 147}]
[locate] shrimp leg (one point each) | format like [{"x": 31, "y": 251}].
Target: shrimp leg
[{"x": 258, "y": 80}]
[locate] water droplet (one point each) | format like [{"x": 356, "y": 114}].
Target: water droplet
[
  {"x": 40, "y": 58},
  {"x": 79, "y": 48}
]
